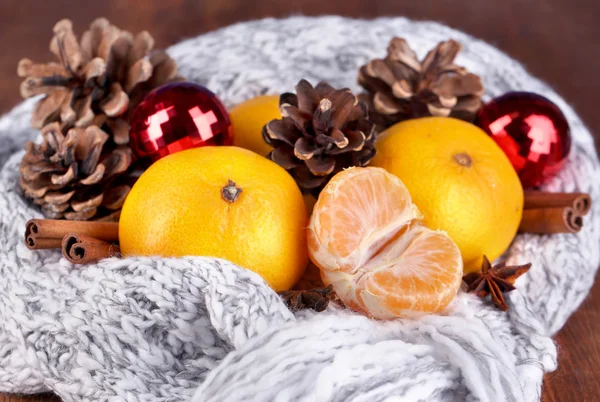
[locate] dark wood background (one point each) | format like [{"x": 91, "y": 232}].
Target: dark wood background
[{"x": 557, "y": 40}]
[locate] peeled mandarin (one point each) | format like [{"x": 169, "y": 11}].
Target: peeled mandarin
[{"x": 366, "y": 237}]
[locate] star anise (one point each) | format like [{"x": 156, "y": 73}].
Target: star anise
[
  {"x": 316, "y": 299},
  {"x": 494, "y": 281}
]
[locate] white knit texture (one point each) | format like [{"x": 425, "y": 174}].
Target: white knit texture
[{"x": 201, "y": 329}]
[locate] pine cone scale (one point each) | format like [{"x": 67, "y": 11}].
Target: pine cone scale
[
  {"x": 27, "y": 68},
  {"x": 93, "y": 70},
  {"x": 324, "y": 90},
  {"x": 48, "y": 108},
  {"x": 320, "y": 166},
  {"x": 65, "y": 178},
  {"x": 356, "y": 140},
  {"x": 281, "y": 130},
  {"x": 338, "y": 137},
  {"x": 284, "y": 157},
  {"x": 92, "y": 203},
  {"x": 402, "y": 90},
  {"x": 377, "y": 68},
  {"x": 58, "y": 198},
  {"x": 386, "y": 104},
  {"x": 304, "y": 149},
  {"x": 79, "y": 216},
  {"x": 307, "y": 97},
  {"x": 142, "y": 44},
  {"x": 64, "y": 45},
  {"x": 36, "y": 167},
  {"x": 399, "y": 50},
  {"x": 116, "y": 102},
  {"x": 344, "y": 103},
  {"x": 95, "y": 177},
  {"x": 301, "y": 120}
]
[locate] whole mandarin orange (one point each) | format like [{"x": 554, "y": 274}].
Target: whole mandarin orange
[
  {"x": 460, "y": 180},
  {"x": 223, "y": 202},
  {"x": 248, "y": 119}
]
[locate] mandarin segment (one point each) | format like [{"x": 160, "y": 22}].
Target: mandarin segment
[{"x": 366, "y": 237}]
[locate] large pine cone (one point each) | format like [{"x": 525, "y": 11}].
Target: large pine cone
[
  {"x": 400, "y": 87},
  {"x": 80, "y": 170},
  {"x": 76, "y": 176},
  {"x": 97, "y": 80},
  {"x": 322, "y": 132}
]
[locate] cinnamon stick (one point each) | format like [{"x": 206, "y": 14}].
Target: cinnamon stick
[
  {"x": 106, "y": 231},
  {"x": 49, "y": 233},
  {"x": 580, "y": 202},
  {"x": 41, "y": 243},
  {"x": 83, "y": 249},
  {"x": 551, "y": 220}
]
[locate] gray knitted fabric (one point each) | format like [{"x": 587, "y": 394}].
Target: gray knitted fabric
[{"x": 202, "y": 329}]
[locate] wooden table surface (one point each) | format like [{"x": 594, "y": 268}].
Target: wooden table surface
[{"x": 557, "y": 40}]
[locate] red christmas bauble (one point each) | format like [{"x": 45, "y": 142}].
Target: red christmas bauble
[
  {"x": 531, "y": 130},
  {"x": 178, "y": 116}
]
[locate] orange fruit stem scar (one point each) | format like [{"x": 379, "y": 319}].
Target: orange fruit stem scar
[
  {"x": 463, "y": 159},
  {"x": 230, "y": 192}
]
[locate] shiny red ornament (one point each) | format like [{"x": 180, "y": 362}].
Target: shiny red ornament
[
  {"x": 178, "y": 116},
  {"x": 531, "y": 130}
]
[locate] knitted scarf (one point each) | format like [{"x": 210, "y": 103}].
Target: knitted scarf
[{"x": 202, "y": 329}]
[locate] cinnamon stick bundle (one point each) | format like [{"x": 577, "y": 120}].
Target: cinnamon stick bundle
[
  {"x": 580, "y": 202},
  {"x": 550, "y": 213},
  {"x": 83, "y": 249},
  {"x": 49, "y": 233}
]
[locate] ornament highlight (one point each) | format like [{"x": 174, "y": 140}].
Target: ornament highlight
[
  {"x": 531, "y": 130},
  {"x": 176, "y": 117}
]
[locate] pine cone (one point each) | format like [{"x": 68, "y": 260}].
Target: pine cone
[
  {"x": 322, "y": 132},
  {"x": 97, "y": 80},
  {"x": 400, "y": 87},
  {"x": 81, "y": 169},
  {"x": 76, "y": 176}
]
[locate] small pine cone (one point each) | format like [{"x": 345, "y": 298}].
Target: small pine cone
[
  {"x": 400, "y": 87},
  {"x": 322, "y": 132},
  {"x": 76, "y": 176},
  {"x": 97, "y": 80}
]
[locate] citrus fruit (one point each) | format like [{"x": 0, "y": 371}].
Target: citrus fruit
[
  {"x": 462, "y": 182},
  {"x": 366, "y": 238},
  {"x": 224, "y": 202},
  {"x": 248, "y": 119}
]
